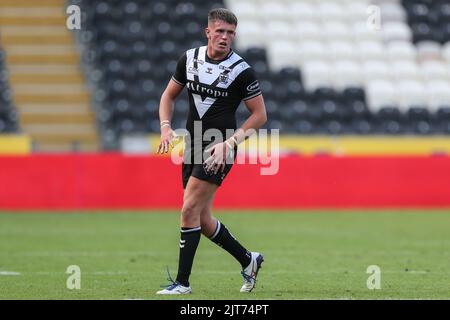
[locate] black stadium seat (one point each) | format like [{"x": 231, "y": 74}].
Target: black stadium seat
[{"x": 8, "y": 113}]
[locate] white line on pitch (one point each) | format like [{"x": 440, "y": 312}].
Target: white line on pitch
[{"x": 9, "y": 273}]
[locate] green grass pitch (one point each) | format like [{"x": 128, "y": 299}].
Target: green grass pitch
[{"x": 308, "y": 255}]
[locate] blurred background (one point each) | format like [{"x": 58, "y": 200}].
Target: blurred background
[{"x": 332, "y": 85}]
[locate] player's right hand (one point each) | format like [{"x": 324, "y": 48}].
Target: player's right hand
[{"x": 167, "y": 135}]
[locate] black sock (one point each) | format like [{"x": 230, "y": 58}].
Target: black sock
[
  {"x": 224, "y": 239},
  {"x": 190, "y": 237}
]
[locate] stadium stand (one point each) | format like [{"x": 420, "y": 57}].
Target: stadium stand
[
  {"x": 47, "y": 84},
  {"x": 322, "y": 70},
  {"x": 130, "y": 49},
  {"x": 393, "y": 81}
]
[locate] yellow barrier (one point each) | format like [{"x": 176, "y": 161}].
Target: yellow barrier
[
  {"x": 354, "y": 145},
  {"x": 15, "y": 144},
  {"x": 366, "y": 145}
]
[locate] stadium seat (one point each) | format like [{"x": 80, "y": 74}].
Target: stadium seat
[
  {"x": 392, "y": 11},
  {"x": 347, "y": 74},
  {"x": 271, "y": 10},
  {"x": 311, "y": 50},
  {"x": 434, "y": 71},
  {"x": 282, "y": 54},
  {"x": 336, "y": 31},
  {"x": 307, "y": 30},
  {"x": 249, "y": 34},
  {"x": 428, "y": 50},
  {"x": 370, "y": 50},
  {"x": 362, "y": 33},
  {"x": 317, "y": 73},
  {"x": 411, "y": 92},
  {"x": 401, "y": 50},
  {"x": 357, "y": 12},
  {"x": 438, "y": 94},
  {"x": 380, "y": 93},
  {"x": 332, "y": 10},
  {"x": 278, "y": 30},
  {"x": 301, "y": 11},
  {"x": 405, "y": 70},
  {"x": 376, "y": 70},
  {"x": 396, "y": 31},
  {"x": 342, "y": 50},
  {"x": 446, "y": 52}
]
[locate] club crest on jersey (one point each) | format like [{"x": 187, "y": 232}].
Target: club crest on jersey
[
  {"x": 193, "y": 71},
  {"x": 223, "y": 78},
  {"x": 198, "y": 61}
]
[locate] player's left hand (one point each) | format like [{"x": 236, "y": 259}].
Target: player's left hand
[{"x": 217, "y": 161}]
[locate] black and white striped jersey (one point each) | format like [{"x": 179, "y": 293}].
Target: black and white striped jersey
[{"x": 215, "y": 88}]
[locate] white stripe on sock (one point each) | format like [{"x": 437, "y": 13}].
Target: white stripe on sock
[
  {"x": 191, "y": 230},
  {"x": 217, "y": 231}
]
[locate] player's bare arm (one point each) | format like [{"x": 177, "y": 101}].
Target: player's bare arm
[
  {"x": 165, "y": 115},
  {"x": 255, "y": 121}
]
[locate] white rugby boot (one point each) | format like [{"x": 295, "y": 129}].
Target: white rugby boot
[
  {"x": 175, "y": 288},
  {"x": 251, "y": 272}
]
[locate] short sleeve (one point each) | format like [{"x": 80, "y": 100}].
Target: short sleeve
[
  {"x": 180, "y": 73},
  {"x": 249, "y": 85}
]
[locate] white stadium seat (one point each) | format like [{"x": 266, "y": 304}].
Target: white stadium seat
[
  {"x": 381, "y": 93},
  {"x": 371, "y": 50},
  {"x": 347, "y": 73},
  {"x": 438, "y": 94},
  {"x": 405, "y": 70},
  {"x": 307, "y": 30},
  {"x": 393, "y": 31},
  {"x": 428, "y": 50},
  {"x": 272, "y": 10},
  {"x": 302, "y": 11},
  {"x": 446, "y": 52},
  {"x": 434, "y": 70},
  {"x": 357, "y": 11},
  {"x": 392, "y": 12},
  {"x": 401, "y": 50},
  {"x": 376, "y": 70},
  {"x": 312, "y": 50},
  {"x": 317, "y": 74},
  {"x": 411, "y": 93},
  {"x": 332, "y": 11},
  {"x": 361, "y": 32},
  {"x": 282, "y": 54},
  {"x": 279, "y": 30},
  {"x": 249, "y": 34},
  {"x": 336, "y": 30},
  {"x": 244, "y": 10},
  {"x": 343, "y": 50}
]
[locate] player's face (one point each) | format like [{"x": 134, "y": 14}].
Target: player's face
[{"x": 220, "y": 35}]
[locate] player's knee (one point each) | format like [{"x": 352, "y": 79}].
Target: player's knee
[
  {"x": 208, "y": 223},
  {"x": 205, "y": 223},
  {"x": 190, "y": 213}
]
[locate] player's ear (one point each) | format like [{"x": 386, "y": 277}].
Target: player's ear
[{"x": 207, "y": 31}]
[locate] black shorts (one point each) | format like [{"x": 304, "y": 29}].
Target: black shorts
[{"x": 196, "y": 169}]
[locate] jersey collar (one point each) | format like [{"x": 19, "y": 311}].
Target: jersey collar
[{"x": 209, "y": 60}]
